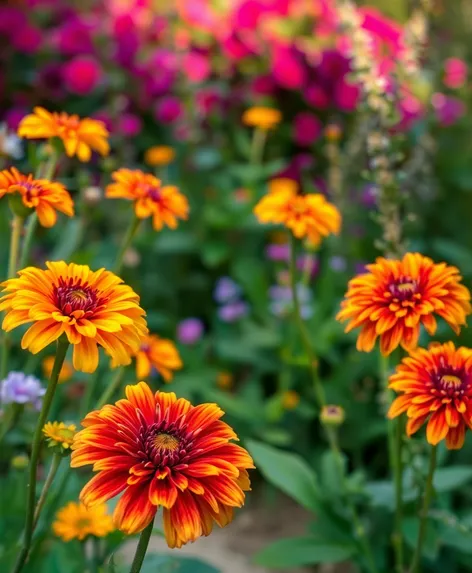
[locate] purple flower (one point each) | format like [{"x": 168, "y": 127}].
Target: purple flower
[
  {"x": 190, "y": 330},
  {"x": 19, "y": 388},
  {"x": 233, "y": 311},
  {"x": 278, "y": 252},
  {"x": 308, "y": 262},
  {"x": 226, "y": 290},
  {"x": 338, "y": 264}
]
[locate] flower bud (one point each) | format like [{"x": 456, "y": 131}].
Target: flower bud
[{"x": 332, "y": 415}]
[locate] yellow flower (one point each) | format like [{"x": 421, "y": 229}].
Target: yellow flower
[
  {"x": 90, "y": 308},
  {"x": 79, "y": 136},
  {"x": 45, "y": 196},
  {"x": 159, "y": 155},
  {"x": 262, "y": 117},
  {"x": 157, "y": 353},
  {"x": 76, "y": 521},
  {"x": 65, "y": 374},
  {"x": 164, "y": 203},
  {"x": 224, "y": 380},
  {"x": 290, "y": 399},
  {"x": 59, "y": 435}
]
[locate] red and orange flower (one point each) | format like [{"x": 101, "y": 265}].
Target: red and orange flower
[
  {"x": 158, "y": 353},
  {"x": 158, "y": 450},
  {"x": 436, "y": 386},
  {"x": 307, "y": 216},
  {"x": 164, "y": 203},
  {"x": 395, "y": 297},
  {"x": 90, "y": 308},
  {"x": 45, "y": 196},
  {"x": 79, "y": 136}
]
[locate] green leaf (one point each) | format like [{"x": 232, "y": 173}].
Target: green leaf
[
  {"x": 410, "y": 528},
  {"x": 330, "y": 473},
  {"x": 155, "y": 563},
  {"x": 288, "y": 472},
  {"x": 450, "y": 478},
  {"x": 300, "y": 551}
]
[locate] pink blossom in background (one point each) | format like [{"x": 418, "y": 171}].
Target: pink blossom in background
[
  {"x": 11, "y": 20},
  {"x": 411, "y": 109},
  {"x": 168, "y": 109},
  {"x": 28, "y": 39},
  {"x": 333, "y": 65},
  {"x": 196, "y": 66},
  {"x": 247, "y": 15},
  {"x": 74, "y": 37},
  {"x": 104, "y": 116},
  {"x": 208, "y": 99},
  {"x": 234, "y": 48},
  {"x": 346, "y": 95},
  {"x": 455, "y": 73},
  {"x": 14, "y": 116},
  {"x": 50, "y": 78},
  {"x": 82, "y": 75},
  {"x": 129, "y": 124},
  {"x": 263, "y": 85},
  {"x": 448, "y": 109},
  {"x": 317, "y": 97},
  {"x": 288, "y": 69},
  {"x": 385, "y": 33},
  {"x": 307, "y": 128}
]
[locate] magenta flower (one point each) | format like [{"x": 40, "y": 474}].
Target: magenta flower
[
  {"x": 455, "y": 73},
  {"x": 288, "y": 69},
  {"x": 448, "y": 109},
  {"x": 82, "y": 75},
  {"x": 129, "y": 124},
  {"x": 168, "y": 109},
  {"x": 307, "y": 128},
  {"x": 196, "y": 66},
  {"x": 190, "y": 330}
]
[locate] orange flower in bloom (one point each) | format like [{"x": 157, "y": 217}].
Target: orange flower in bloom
[
  {"x": 89, "y": 307},
  {"x": 157, "y": 353},
  {"x": 65, "y": 374},
  {"x": 309, "y": 216},
  {"x": 262, "y": 117},
  {"x": 40, "y": 194},
  {"x": 162, "y": 451},
  {"x": 75, "y": 521},
  {"x": 435, "y": 384},
  {"x": 79, "y": 136},
  {"x": 159, "y": 155},
  {"x": 394, "y": 298},
  {"x": 165, "y": 204}
]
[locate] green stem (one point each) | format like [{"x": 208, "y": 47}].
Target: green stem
[
  {"x": 259, "y": 138},
  {"x": 318, "y": 388},
  {"x": 111, "y": 388},
  {"x": 130, "y": 233},
  {"x": 30, "y": 231},
  {"x": 87, "y": 398},
  {"x": 428, "y": 494},
  {"x": 395, "y": 442},
  {"x": 61, "y": 351},
  {"x": 142, "y": 548},
  {"x": 56, "y": 461}
]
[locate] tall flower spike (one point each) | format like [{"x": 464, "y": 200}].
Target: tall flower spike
[
  {"x": 395, "y": 297},
  {"x": 45, "y": 196},
  {"x": 436, "y": 387},
  {"x": 79, "y": 136},
  {"x": 164, "y": 203},
  {"x": 158, "y": 450},
  {"x": 90, "y": 308}
]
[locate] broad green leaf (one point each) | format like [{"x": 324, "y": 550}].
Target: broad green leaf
[
  {"x": 287, "y": 471},
  {"x": 450, "y": 478},
  {"x": 300, "y": 551},
  {"x": 155, "y": 563}
]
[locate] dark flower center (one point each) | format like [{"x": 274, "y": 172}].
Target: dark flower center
[
  {"x": 70, "y": 296},
  {"x": 403, "y": 288},
  {"x": 450, "y": 381},
  {"x": 165, "y": 445},
  {"x": 154, "y": 193}
]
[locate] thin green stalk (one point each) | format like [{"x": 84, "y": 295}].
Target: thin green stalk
[
  {"x": 142, "y": 548},
  {"x": 55, "y": 463},
  {"x": 130, "y": 233},
  {"x": 50, "y": 165},
  {"x": 395, "y": 442},
  {"x": 428, "y": 494},
  {"x": 259, "y": 138},
  {"x": 111, "y": 388},
  {"x": 318, "y": 388},
  {"x": 30, "y": 231},
  {"x": 87, "y": 398},
  {"x": 61, "y": 351}
]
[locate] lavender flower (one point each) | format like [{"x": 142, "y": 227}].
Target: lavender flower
[
  {"x": 338, "y": 264},
  {"x": 277, "y": 252},
  {"x": 281, "y": 303},
  {"x": 226, "y": 290},
  {"x": 233, "y": 311},
  {"x": 190, "y": 330},
  {"x": 19, "y": 388}
]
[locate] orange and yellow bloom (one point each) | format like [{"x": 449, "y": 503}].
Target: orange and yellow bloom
[
  {"x": 89, "y": 307},
  {"x": 159, "y": 155},
  {"x": 395, "y": 297},
  {"x": 75, "y": 521},
  {"x": 79, "y": 136},
  {"x": 59, "y": 435},
  {"x": 45, "y": 196},
  {"x": 262, "y": 117},
  {"x": 307, "y": 216},
  {"x": 65, "y": 374},
  {"x": 164, "y": 203},
  {"x": 158, "y": 450},
  {"x": 158, "y": 353},
  {"x": 435, "y": 387}
]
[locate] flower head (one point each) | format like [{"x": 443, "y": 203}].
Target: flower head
[
  {"x": 435, "y": 386},
  {"x": 89, "y": 307},
  {"x": 262, "y": 117},
  {"x": 226, "y": 290},
  {"x": 159, "y": 155},
  {"x": 190, "y": 330},
  {"x": 65, "y": 374},
  {"x": 79, "y": 136},
  {"x": 172, "y": 454},
  {"x": 307, "y": 216},
  {"x": 76, "y": 521},
  {"x": 158, "y": 353},
  {"x": 18, "y": 388},
  {"x": 59, "y": 436},
  {"x": 395, "y": 297},
  {"x": 164, "y": 203},
  {"x": 45, "y": 196},
  {"x": 332, "y": 415}
]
